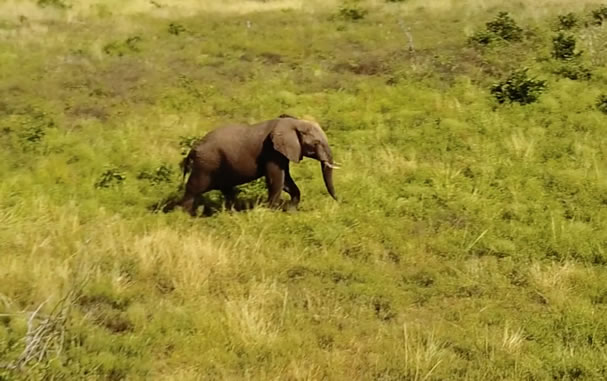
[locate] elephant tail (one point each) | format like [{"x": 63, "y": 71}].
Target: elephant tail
[{"x": 186, "y": 163}]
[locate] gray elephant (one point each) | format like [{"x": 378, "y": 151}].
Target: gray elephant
[{"x": 236, "y": 154}]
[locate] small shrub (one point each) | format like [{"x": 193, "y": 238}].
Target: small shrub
[
  {"x": 187, "y": 142},
  {"x": 601, "y": 103},
  {"x": 33, "y": 134},
  {"x": 119, "y": 49},
  {"x": 32, "y": 128},
  {"x": 352, "y": 12},
  {"x": 563, "y": 47},
  {"x": 518, "y": 87},
  {"x": 483, "y": 37},
  {"x": 599, "y": 15},
  {"x": 503, "y": 27},
  {"x": 574, "y": 71},
  {"x": 567, "y": 21},
  {"x": 53, "y": 3},
  {"x": 176, "y": 29},
  {"x": 109, "y": 178},
  {"x": 161, "y": 174}
]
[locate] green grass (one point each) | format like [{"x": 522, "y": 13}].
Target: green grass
[{"x": 469, "y": 241}]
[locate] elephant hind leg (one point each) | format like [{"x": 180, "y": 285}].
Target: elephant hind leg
[{"x": 197, "y": 185}]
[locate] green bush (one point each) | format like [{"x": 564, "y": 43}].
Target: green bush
[
  {"x": 563, "y": 47},
  {"x": 187, "y": 142},
  {"x": 518, "y": 87},
  {"x": 601, "y": 103},
  {"x": 352, "y": 12},
  {"x": 162, "y": 174},
  {"x": 120, "y": 48},
  {"x": 567, "y": 21},
  {"x": 482, "y": 37},
  {"x": 176, "y": 29},
  {"x": 53, "y": 3},
  {"x": 109, "y": 178},
  {"x": 503, "y": 27},
  {"x": 599, "y": 15},
  {"x": 574, "y": 71}
]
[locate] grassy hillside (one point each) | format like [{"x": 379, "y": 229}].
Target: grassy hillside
[{"x": 469, "y": 242}]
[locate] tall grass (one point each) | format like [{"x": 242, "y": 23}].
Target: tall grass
[{"x": 468, "y": 242}]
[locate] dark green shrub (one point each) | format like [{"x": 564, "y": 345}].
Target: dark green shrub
[
  {"x": 187, "y": 142},
  {"x": 567, "y": 21},
  {"x": 574, "y": 71},
  {"x": 33, "y": 134},
  {"x": 599, "y": 15},
  {"x": 483, "y": 37},
  {"x": 352, "y": 12},
  {"x": 109, "y": 178},
  {"x": 563, "y": 47},
  {"x": 30, "y": 127},
  {"x": 518, "y": 87},
  {"x": 53, "y": 3},
  {"x": 601, "y": 103},
  {"x": 176, "y": 29},
  {"x": 162, "y": 174},
  {"x": 119, "y": 49},
  {"x": 503, "y": 27}
]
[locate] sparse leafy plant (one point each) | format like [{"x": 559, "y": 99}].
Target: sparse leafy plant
[
  {"x": 162, "y": 174},
  {"x": 518, "y": 87},
  {"x": 121, "y": 48},
  {"x": 601, "y": 103},
  {"x": 110, "y": 177},
  {"x": 352, "y": 11},
  {"x": 176, "y": 29},
  {"x": 186, "y": 143},
  {"x": 53, "y": 3},
  {"x": 33, "y": 134},
  {"x": 482, "y": 37},
  {"x": 599, "y": 15},
  {"x": 563, "y": 47},
  {"x": 574, "y": 71},
  {"x": 567, "y": 21}
]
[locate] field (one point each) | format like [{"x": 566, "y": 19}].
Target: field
[{"x": 469, "y": 241}]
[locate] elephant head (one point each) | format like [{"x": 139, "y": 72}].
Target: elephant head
[{"x": 296, "y": 138}]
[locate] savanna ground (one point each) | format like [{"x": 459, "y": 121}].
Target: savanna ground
[{"x": 469, "y": 241}]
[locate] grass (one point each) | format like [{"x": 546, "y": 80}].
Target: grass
[{"x": 468, "y": 242}]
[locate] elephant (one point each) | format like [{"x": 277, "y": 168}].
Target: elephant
[{"x": 236, "y": 154}]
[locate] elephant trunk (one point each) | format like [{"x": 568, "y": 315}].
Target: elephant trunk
[
  {"x": 327, "y": 176},
  {"x": 327, "y": 165}
]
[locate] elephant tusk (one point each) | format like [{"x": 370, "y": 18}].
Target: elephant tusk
[{"x": 332, "y": 166}]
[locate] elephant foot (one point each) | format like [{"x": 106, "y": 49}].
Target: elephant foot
[{"x": 290, "y": 207}]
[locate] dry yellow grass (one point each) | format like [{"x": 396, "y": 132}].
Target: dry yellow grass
[{"x": 180, "y": 8}]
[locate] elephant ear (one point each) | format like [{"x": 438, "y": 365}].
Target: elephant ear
[{"x": 285, "y": 140}]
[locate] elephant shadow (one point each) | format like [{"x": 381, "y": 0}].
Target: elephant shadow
[{"x": 209, "y": 203}]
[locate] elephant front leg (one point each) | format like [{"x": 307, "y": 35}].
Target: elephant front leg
[
  {"x": 292, "y": 190},
  {"x": 275, "y": 180}
]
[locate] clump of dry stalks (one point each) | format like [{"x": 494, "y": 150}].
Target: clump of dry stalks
[{"x": 45, "y": 336}]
